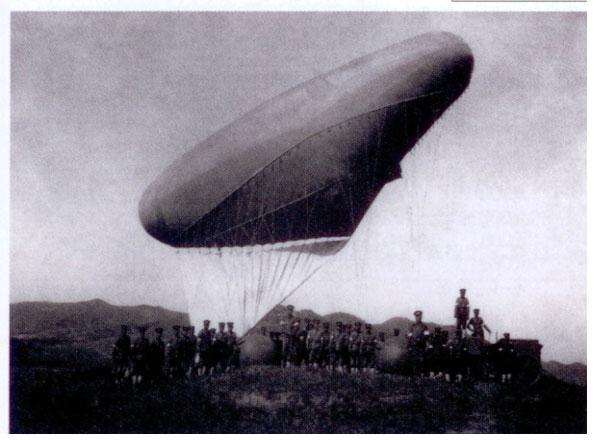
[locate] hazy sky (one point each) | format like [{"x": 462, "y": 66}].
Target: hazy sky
[{"x": 492, "y": 199}]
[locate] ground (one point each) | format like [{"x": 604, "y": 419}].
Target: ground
[{"x": 262, "y": 399}]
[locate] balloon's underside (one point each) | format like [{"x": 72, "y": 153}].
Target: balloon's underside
[
  {"x": 313, "y": 192},
  {"x": 306, "y": 169}
]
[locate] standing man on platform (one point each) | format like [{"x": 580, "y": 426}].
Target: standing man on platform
[{"x": 462, "y": 310}]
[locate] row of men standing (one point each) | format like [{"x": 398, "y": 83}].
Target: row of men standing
[
  {"x": 184, "y": 355},
  {"x": 348, "y": 347}
]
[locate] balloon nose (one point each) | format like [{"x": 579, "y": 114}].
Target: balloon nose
[
  {"x": 151, "y": 218},
  {"x": 457, "y": 64}
]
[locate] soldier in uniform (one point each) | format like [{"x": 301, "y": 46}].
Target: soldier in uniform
[
  {"x": 474, "y": 357},
  {"x": 220, "y": 348},
  {"x": 157, "y": 349},
  {"x": 233, "y": 346},
  {"x": 286, "y": 329},
  {"x": 174, "y": 353},
  {"x": 505, "y": 359},
  {"x": 182, "y": 348},
  {"x": 416, "y": 343},
  {"x": 343, "y": 348},
  {"x": 212, "y": 358},
  {"x": 477, "y": 326},
  {"x": 444, "y": 359},
  {"x": 121, "y": 356},
  {"x": 190, "y": 348},
  {"x": 204, "y": 346},
  {"x": 456, "y": 357},
  {"x": 379, "y": 346},
  {"x": 302, "y": 348},
  {"x": 335, "y": 335},
  {"x": 396, "y": 332},
  {"x": 462, "y": 310},
  {"x": 354, "y": 348},
  {"x": 368, "y": 350},
  {"x": 333, "y": 345},
  {"x": 433, "y": 353},
  {"x": 313, "y": 344},
  {"x": 293, "y": 343},
  {"x": 324, "y": 338},
  {"x": 277, "y": 348},
  {"x": 139, "y": 354}
]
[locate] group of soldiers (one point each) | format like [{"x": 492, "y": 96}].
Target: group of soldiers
[
  {"x": 346, "y": 347},
  {"x": 184, "y": 355},
  {"x": 466, "y": 354},
  {"x": 355, "y": 347},
  {"x": 311, "y": 343}
]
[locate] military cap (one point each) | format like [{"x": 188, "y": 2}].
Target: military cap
[
  {"x": 307, "y": 320},
  {"x": 367, "y": 325},
  {"x": 176, "y": 327},
  {"x": 381, "y": 334},
  {"x": 506, "y": 335},
  {"x": 142, "y": 328},
  {"x": 358, "y": 323},
  {"x": 191, "y": 327},
  {"x": 325, "y": 324},
  {"x": 221, "y": 324},
  {"x": 229, "y": 324},
  {"x": 462, "y": 290},
  {"x": 418, "y": 313},
  {"x": 290, "y": 307},
  {"x": 437, "y": 329},
  {"x": 124, "y": 327},
  {"x": 206, "y": 321},
  {"x": 476, "y": 310},
  {"x": 186, "y": 328},
  {"x": 317, "y": 321},
  {"x": 159, "y": 330},
  {"x": 339, "y": 323}
]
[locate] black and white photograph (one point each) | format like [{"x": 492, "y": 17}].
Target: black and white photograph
[{"x": 335, "y": 222}]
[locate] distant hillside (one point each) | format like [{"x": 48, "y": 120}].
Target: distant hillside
[
  {"x": 90, "y": 324},
  {"x": 572, "y": 373},
  {"x": 86, "y": 319}
]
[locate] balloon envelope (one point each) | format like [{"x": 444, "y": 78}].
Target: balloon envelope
[{"x": 308, "y": 163}]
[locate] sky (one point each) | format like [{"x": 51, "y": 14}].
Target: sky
[{"x": 492, "y": 199}]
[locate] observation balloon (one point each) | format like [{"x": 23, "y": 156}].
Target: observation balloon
[{"x": 268, "y": 197}]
